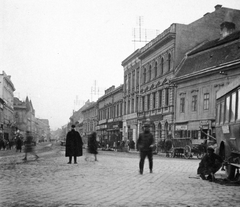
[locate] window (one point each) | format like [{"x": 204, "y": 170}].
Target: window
[
  {"x": 238, "y": 106},
  {"x": 222, "y": 112},
  {"x": 169, "y": 62},
  {"x": 148, "y": 101},
  {"x": 227, "y": 109},
  {"x": 144, "y": 75},
  {"x": 126, "y": 83},
  {"x": 166, "y": 97},
  {"x": 182, "y": 105},
  {"x": 233, "y": 107},
  {"x": 129, "y": 82},
  {"x": 154, "y": 100},
  {"x": 118, "y": 106},
  {"x": 132, "y": 105},
  {"x": 143, "y": 103},
  {"x": 150, "y": 72},
  {"x": 137, "y": 100},
  {"x": 121, "y": 112},
  {"x": 137, "y": 80},
  {"x": 160, "y": 98},
  {"x": 206, "y": 101},
  {"x": 155, "y": 69},
  {"x": 129, "y": 107},
  {"x": 162, "y": 65},
  {"x": 218, "y": 114},
  {"x": 133, "y": 79},
  {"x": 194, "y": 103},
  {"x": 125, "y": 107}
]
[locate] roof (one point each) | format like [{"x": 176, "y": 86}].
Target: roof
[{"x": 212, "y": 53}]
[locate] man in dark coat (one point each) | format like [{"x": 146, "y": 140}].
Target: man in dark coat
[
  {"x": 73, "y": 145},
  {"x": 209, "y": 165},
  {"x": 145, "y": 144}
]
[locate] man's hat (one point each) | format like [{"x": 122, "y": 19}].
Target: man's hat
[{"x": 210, "y": 149}]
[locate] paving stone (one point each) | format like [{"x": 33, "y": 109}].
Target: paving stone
[{"x": 112, "y": 181}]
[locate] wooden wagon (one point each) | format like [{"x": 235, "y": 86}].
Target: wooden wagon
[{"x": 187, "y": 147}]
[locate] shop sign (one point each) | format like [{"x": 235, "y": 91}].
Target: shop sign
[
  {"x": 181, "y": 127},
  {"x": 225, "y": 129},
  {"x": 204, "y": 123},
  {"x": 132, "y": 122},
  {"x": 104, "y": 126}
]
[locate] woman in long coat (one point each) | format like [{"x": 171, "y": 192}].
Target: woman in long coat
[
  {"x": 73, "y": 145},
  {"x": 93, "y": 145}
]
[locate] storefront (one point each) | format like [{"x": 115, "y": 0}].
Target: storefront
[
  {"x": 114, "y": 130},
  {"x": 195, "y": 130}
]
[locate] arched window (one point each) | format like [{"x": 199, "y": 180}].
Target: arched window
[
  {"x": 169, "y": 61},
  {"x": 160, "y": 131},
  {"x": 155, "y": 69},
  {"x": 166, "y": 130},
  {"x": 162, "y": 65},
  {"x": 144, "y": 75},
  {"x": 150, "y": 72}
]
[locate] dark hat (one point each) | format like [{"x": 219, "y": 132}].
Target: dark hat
[
  {"x": 73, "y": 126},
  {"x": 210, "y": 149}
]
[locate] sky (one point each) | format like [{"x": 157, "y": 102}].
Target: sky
[{"x": 62, "y": 53}]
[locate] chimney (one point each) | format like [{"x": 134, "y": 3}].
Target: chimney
[
  {"x": 227, "y": 28},
  {"x": 218, "y": 6}
]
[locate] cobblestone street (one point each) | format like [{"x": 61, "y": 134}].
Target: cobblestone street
[{"x": 112, "y": 181}]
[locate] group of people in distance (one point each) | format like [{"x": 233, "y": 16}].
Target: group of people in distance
[{"x": 208, "y": 166}]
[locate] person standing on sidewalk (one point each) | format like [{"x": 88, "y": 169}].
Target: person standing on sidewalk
[
  {"x": 73, "y": 145},
  {"x": 29, "y": 146},
  {"x": 145, "y": 144}
]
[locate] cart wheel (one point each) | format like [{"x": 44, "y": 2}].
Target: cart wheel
[
  {"x": 187, "y": 152},
  {"x": 200, "y": 155}
]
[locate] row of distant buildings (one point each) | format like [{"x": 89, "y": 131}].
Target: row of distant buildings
[
  {"x": 172, "y": 82},
  {"x": 19, "y": 116}
]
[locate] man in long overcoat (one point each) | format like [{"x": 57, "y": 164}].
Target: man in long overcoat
[
  {"x": 145, "y": 145},
  {"x": 73, "y": 145}
]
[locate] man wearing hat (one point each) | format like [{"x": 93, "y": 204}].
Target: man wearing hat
[
  {"x": 73, "y": 145},
  {"x": 209, "y": 165},
  {"x": 145, "y": 145}
]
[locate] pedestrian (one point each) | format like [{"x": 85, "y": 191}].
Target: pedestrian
[
  {"x": 145, "y": 144},
  {"x": 93, "y": 145},
  {"x": 29, "y": 146},
  {"x": 74, "y": 145},
  {"x": 19, "y": 142},
  {"x": 209, "y": 165}
]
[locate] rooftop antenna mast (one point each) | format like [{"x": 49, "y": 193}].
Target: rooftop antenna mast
[{"x": 139, "y": 32}]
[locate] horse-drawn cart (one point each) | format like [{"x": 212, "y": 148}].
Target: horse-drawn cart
[{"x": 187, "y": 147}]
